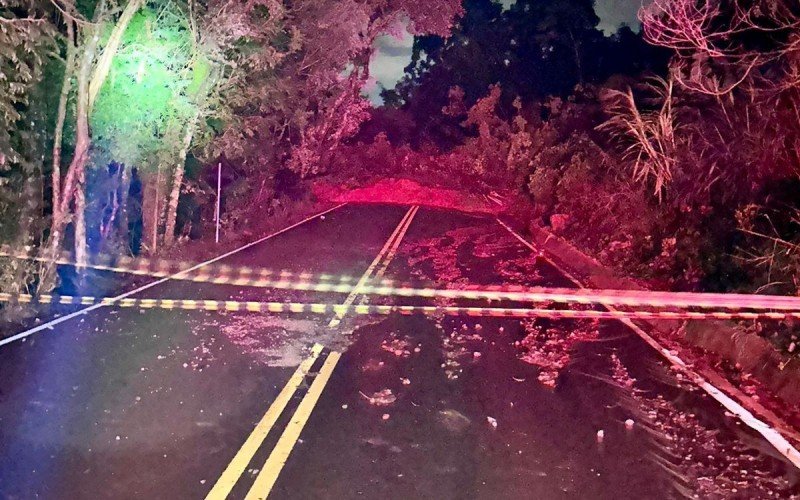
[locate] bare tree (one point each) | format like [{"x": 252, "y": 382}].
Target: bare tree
[{"x": 714, "y": 40}]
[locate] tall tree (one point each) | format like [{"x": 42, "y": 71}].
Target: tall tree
[
  {"x": 147, "y": 112},
  {"x": 91, "y": 72},
  {"x": 534, "y": 49},
  {"x": 723, "y": 44}
]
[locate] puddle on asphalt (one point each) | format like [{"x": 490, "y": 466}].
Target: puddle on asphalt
[{"x": 277, "y": 341}]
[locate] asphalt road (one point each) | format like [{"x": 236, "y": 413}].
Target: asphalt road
[{"x": 129, "y": 403}]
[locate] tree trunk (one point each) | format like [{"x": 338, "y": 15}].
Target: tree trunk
[
  {"x": 577, "y": 56},
  {"x": 89, "y": 84},
  {"x": 124, "y": 189},
  {"x": 78, "y": 164},
  {"x": 69, "y": 70},
  {"x": 80, "y": 221},
  {"x": 112, "y": 190},
  {"x": 174, "y": 196},
  {"x": 149, "y": 197},
  {"x": 152, "y": 209}
]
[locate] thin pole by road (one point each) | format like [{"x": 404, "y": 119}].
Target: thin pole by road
[{"x": 216, "y": 209}]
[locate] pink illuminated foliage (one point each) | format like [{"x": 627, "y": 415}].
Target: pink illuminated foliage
[
  {"x": 348, "y": 37},
  {"x": 296, "y": 98}
]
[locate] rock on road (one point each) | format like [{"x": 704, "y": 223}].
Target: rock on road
[{"x": 129, "y": 403}]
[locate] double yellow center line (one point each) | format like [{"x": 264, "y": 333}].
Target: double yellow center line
[
  {"x": 277, "y": 459},
  {"x": 268, "y": 475},
  {"x": 383, "y": 259}
]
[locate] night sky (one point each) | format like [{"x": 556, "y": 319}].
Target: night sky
[{"x": 394, "y": 55}]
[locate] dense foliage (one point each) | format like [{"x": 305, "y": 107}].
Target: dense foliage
[
  {"x": 145, "y": 85},
  {"x": 672, "y": 155}
]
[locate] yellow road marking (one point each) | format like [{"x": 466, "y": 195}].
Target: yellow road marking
[
  {"x": 277, "y": 459},
  {"x": 234, "y": 470},
  {"x": 390, "y": 256},
  {"x": 393, "y": 251},
  {"x": 398, "y": 231}
]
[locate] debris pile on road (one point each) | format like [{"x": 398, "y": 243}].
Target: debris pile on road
[
  {"x": 455, "y": 350},
  {"x": 384, "y": 397},
  {"x": 372, "y": 365},
  {"x": 203, "y": 354},
  {"x": 442, "y": 259},
  {"x": 551, "y": 348},
  {"x": 276, "y": 340},
  {"x": 398, "y": 345},
  {"x": 620, "y": 373},
  {"x": 406, "y": 192},
  {"x": 712, "y": 463}
]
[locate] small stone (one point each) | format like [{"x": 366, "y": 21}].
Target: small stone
[
  {"x": 600, "y": 435},
  {"x": 344, "y": 407},
  {"x": 629, "y": 424},
  {"x": 405, "y": 381},
  {"x": 117, "y": 438},
  {"x": 202, "y": 481},
  {"x": 792, "y": 346},
  {"x": 476, "y": 354},
  {"x": 417, "y": 349},
  {"x": 492, "y": 421},
  {"x": 385, "y": 416}
]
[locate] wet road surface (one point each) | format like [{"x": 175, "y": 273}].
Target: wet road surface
[{"x": 127, "y": 403}]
